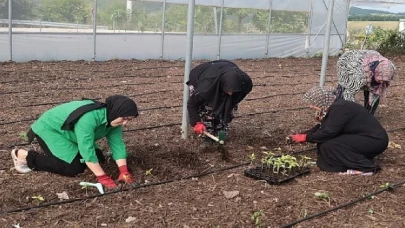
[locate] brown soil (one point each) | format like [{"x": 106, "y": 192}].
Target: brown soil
[{"x": 273, "y": 110}]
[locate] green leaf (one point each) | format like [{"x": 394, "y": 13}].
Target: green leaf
[
  {"x": 23, "y": 135},
  {"x": 386, "y": 185},
  {"x": 321, "y": 195},
  {"x": 148, "y": 172},
  {"x": 38, "y": 197}
]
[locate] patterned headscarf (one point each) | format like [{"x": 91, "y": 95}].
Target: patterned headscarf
[
  {"x": 383, "y": 71},
  {"x": 322, "y": 97}
]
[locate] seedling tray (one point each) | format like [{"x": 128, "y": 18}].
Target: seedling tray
[{"x": 266, "y": 174}]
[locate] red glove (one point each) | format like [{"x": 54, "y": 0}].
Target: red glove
[
  {"x": 106, "y": 181},
  {"x": 125, "y": 176},
  {"x": 199, "y": 128},
  {"x": 299, "y": 138}
]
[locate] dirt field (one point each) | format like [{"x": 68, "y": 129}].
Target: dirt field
[
  {"x": 271, "y": 111},
  {"x": 361, "y": 25}
]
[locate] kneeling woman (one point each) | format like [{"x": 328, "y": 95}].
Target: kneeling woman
[
  {"x": 348, "y": 138},
  {"x": 68, "y": 133}
]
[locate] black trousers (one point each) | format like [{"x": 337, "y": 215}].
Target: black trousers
[
  {"x": 350, "y": 152},
  {"x": 50, "y": 163}
]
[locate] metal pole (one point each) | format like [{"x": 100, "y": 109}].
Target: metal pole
[
  {"x": 220, "y": 31},
  {"x": 10, "y": 29},
  {"x": 268, "y": 29},
  {"x": 325, "y": 54},
  {"x": 308, "y": 39},
  {"x": 163, "y": 28},
  {"x": 216, "y": 20},
  {"x": 94, "y": 29},
  {"x": 187, "y": 67}
]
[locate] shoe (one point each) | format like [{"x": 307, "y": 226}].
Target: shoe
[{"x": 19, "y": 165}]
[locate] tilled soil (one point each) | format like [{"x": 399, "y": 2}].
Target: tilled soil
[{"x": 173, "y": 195}]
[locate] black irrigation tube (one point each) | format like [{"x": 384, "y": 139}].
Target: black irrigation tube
[
  {"x": 162, "y": 107},
  {"x": 60, "y": 102},
  {"x": 170, "y": 124},
  {"x": 151, "y": 83},
  {"x": 177, "y": 124},
  {"x": 146, "y": 109},
  {"x": 390, "y": 187},
  {"x": 136, "y": 187},
  {"x": 205, "y": 174},
  {"x": 140, "y": 76},
  {"x": 123, "y": 190},
  {"x": 81, "y": 88}
]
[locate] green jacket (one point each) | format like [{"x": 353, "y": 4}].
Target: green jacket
[{"x": 91, "y": 127}]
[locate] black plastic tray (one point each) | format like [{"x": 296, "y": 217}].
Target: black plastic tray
[{"x": 259, "y": 174}]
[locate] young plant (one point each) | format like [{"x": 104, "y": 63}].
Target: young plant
[
  {"x": 23, "y": 135},
  {"x": 386, "y": 185},
  {"x": 323, "y": 196},
  {"x": 38, "y": 197},
  {"x": 304, "y": 161},
  {"x": 289, "y": 161},
  {"x": 252, "y": 157},
  {"x": 278, "y": 163},
  {"x": 148, "y": 172},
  {"x": 256, "y": 217}
]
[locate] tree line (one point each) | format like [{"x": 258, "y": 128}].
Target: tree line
[
  {"x": 374, "y": 17},
  {"x": 147, "y": 16}
]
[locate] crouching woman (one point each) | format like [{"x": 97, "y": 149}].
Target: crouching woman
[
  {"x": 348, "y": 137},
  {"x": 67, "y": 134}
]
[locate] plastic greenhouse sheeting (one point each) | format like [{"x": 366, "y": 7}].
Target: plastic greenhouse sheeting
[{"x": 76, "y": 46}]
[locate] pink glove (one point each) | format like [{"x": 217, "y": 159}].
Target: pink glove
[
  {"x": 199, "y": 128},
  {"x": 299, "y": 138}
]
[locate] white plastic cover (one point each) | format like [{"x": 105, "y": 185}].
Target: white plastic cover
[{"x": 70, "y": 46}]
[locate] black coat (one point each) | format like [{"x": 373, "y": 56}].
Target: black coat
[
  {"x": 210, "y": 81},
  {"x": 349, "y": 137}
]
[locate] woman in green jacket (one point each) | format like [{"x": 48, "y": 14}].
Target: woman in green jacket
[{"x": 68, "y": 133}]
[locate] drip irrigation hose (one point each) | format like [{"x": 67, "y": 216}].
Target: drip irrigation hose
[
  {"x": 59, "y": 102},
  {"x": 175, "y": 124},
  {"x": 95, "y": 71},
  {"x": 390, "y": 187},
  {"x": 138, "y": 186},
  {"x": 124, "y": 189}
]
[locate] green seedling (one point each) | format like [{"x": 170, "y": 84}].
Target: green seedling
[
  {"x": 371, "y": 211},
  {"x": 304, "y": 161},
  {"x": 252, "y": 157},
  {"x": 148, "y": 172},
  {"x": 256, "y": 218},
  {"x": 386, "y": 185},
  {"x": 371, "y": 197},
  {"x": 38, "y": 197},
  {"x": 23, "y": 135},
  {"x": 323, "y": 196},
  {"x": 283, "y": 164},
  {"x": 304, "y": 213}
]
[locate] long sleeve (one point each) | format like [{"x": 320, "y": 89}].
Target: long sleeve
[
  {"x": 332, "y": 125},
  {"x": 84, "y": 131},
  {"x": 193, "y": 105},
  {"x": 116, "y": 143}
]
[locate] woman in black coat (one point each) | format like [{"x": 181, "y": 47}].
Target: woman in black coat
[
  {"x": 216, "y": 89},
  {"x": 348, "y": 137}
]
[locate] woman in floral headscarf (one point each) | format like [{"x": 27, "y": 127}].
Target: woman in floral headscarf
[
  {"x": 348, "y": 137},
  {"x": 367, "y": 70}
]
